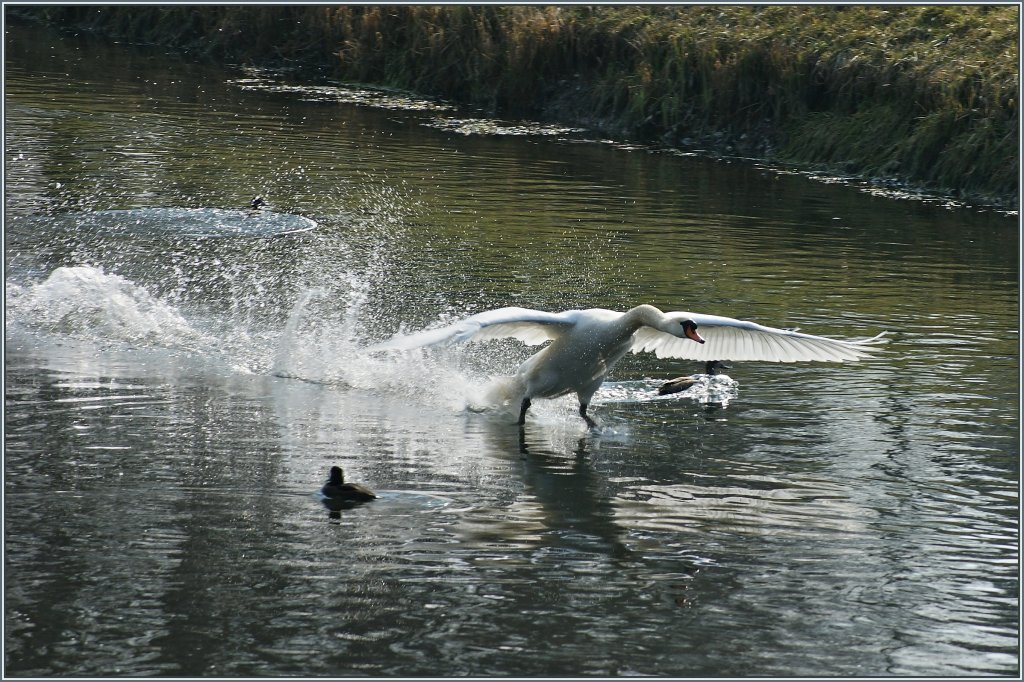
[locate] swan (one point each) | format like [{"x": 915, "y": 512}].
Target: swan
[
  {"x": 680, "y": 384},
  {"x": 586, "y": 344},
  {"x": 337, "y": 489}
]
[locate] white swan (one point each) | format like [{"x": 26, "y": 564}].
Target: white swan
[{"x": 586, "y": 344}]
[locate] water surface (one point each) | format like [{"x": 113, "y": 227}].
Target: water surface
[{"x": 180, "y": 376}]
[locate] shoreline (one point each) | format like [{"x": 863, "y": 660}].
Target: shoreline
[{"x": 921, "y": 100}]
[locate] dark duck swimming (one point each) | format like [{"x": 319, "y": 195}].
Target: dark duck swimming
[
  {"x": 680, "y": 384},
  {"x": 336, "y": 489}
]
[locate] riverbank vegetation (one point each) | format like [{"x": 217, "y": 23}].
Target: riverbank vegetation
[{"x": 927, "y": 95}]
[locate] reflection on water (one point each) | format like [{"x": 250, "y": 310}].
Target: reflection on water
[{"x": 174, "y": 397}]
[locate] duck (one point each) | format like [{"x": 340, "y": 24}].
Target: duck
[
  {"x": 336, "y": 489},
  {"x": 586, "y": 344},
  {"x": 680, "y": 384},
  {"x": 257, "y": 203}
]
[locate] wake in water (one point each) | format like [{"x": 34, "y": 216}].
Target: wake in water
[{"x": 192, "y": 222}]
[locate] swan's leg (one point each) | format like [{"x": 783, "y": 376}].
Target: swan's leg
[
  {"x": 522, "y": 411},
  {"x": 583, "y": 413}
]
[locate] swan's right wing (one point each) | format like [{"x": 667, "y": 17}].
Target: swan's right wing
[{"x": 532, "y": 327}]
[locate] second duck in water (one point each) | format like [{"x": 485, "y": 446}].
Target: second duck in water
[{"x": 711, "y": 368}]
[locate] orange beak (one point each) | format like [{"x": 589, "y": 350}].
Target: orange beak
[{"x": 690, "y": 329}]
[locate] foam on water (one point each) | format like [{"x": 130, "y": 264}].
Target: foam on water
[{"x": 264, "y": 80}]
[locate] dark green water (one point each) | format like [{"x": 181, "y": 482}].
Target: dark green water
[{"x": 177, "y": 388}]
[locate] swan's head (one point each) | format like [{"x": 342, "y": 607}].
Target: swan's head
[
  {"x": 337, "y": 476},
  {"x": 674, "y": 324},
  {"x": 690, "y": 331}
]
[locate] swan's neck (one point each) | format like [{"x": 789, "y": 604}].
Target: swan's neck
[{"x": 643, "y": 316}]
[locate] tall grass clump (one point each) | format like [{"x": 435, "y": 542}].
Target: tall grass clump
[{"x": 926, "y": 94}]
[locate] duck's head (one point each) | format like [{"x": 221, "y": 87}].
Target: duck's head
[
  {"x": 711, "y": 367},
  {"x": 337, "y": 476},
  {"x": 256, "y": 203}
]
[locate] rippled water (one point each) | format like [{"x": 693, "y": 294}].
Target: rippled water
[{"x": 180, "y": 375}]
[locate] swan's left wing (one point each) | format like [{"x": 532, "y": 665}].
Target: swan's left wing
[
  {"x": 532, "y": 327},
  {"x": 728, "y": 339}
]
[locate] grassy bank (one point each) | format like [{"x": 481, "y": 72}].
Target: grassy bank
[{"x": 927, "y": 95}]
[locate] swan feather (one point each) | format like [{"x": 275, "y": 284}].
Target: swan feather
[
  {"x": 731, "y": 339},
  {"x": 532, "y": 327},
  {"x": 725, "y": 338}
]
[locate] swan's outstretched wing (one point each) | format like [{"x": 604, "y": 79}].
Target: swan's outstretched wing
[
  {"x": 729, "y": 339},
  {"x": 532, "y": 327}
]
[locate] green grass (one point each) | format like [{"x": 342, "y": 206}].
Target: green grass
[{"x": 925, "y": 94}]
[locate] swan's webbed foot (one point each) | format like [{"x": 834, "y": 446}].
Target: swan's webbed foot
[
  {"x": 522, "y": 411},
  {"x": 583, "y": 413}
]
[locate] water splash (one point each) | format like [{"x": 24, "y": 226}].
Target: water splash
[
  {"x": 708, "y": 389},
  {"x": 87, "y": 303},
  {"x": 321, "y": 344},
  {"x": 322, "y": 347},
  {"x": 322, "y": 341}
]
